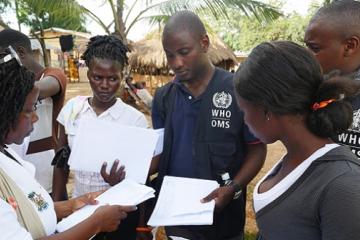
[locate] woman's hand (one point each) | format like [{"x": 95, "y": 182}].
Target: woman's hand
[
  {"x": 86, "y": 199},
  {"x": 116, "y": 175},
  {"x": 222, "y": 196},
  {"x": 110, "y": 216}
]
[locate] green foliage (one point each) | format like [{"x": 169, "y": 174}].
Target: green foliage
[
  {"x": 41, "y": 14},
  {"x": 243, "y": 34}
]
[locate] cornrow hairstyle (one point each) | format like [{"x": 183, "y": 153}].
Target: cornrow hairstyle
[
  {"x": 15, "y": 39},
  {"x": 106, "y": 47},
  {"x": 286, "y": 79},
  {"x": 339, "y": 14},
  {"x": 16, "y": 82}
]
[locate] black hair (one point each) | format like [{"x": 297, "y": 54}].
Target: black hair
[
  {"x": 15, "y": 39},
  {"x": 339, "y": 14},
  {"x": 16, "y": 82},
  {"x": 285, "y": 79},
  {"x": 106, "y": 47},
  {"x": 185, "y": 20}
]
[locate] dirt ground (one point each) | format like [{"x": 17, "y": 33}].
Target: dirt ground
[{"x": 275, "y": 151}]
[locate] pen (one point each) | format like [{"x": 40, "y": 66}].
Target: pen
[{"x": 42, "y": 75}]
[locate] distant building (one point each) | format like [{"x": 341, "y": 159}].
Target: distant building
[{"x": 52, "y": 50}]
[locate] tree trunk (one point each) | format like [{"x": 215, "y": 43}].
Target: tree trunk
[
  {"x": 43, "y": 47},
  {"x": 121, "y": 25},
  {"x": 3, "y": 24}
]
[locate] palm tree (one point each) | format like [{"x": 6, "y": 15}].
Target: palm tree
[
  {"x": 3, "y": 5},
  {"x": 262, "y": 11},
  {"x": 43, "y": 14}
]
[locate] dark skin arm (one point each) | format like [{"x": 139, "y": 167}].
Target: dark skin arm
[
  {"x": 60, "y": 176},
  {"x": 253, "y": 162},
  {"x": 154, "y": 166},
  {"x": 48, "y": 86},
  {"x": 104, "y": 219}
]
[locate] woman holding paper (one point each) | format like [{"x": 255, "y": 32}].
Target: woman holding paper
[
  {"x": 106, "y": 58},
  {"x": 313, "y": 192},
  {"x": 26, "y": 209}
]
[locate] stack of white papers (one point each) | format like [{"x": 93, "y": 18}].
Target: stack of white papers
[
  {"x": 179, "y": 202},
  {"x": 126, "y": 192},
  {"x": 160, "y": 142},
  {"x": 98, "y": 141}
]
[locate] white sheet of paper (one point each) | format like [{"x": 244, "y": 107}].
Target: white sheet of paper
[
  {"x": 126, "y": 192},
  {"x": 178, "y": 238},
  {"x": 179, "y": 202},
  {"x": 97, "y": 141},
  {"x": 160, "y": 142}
]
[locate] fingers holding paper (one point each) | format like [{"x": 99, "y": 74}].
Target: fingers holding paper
[
  {"x": 116, "y": 174},
  {"x": 110, "y": 216},
  {"x": 86, "y": 199},
  {"x": 222, "y": 196}
]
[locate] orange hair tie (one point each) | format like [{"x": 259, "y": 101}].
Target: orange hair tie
[{"x": 322, "y": 104}]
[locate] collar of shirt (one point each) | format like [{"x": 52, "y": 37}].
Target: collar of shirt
[
  {"x": 185, "y": 91},
  {"x": 114, "y": 111}
]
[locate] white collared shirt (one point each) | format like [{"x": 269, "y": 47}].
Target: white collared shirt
[{"x": 120, "y": 112}]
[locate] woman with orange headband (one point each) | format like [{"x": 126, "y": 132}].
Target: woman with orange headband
[{"x": 313, "y": 192}]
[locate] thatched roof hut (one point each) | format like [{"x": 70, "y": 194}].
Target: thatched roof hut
[{"x": 148, "y": 57}]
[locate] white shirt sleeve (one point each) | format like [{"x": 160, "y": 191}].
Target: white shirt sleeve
[
  {"x": 10, "y": 227},
  {"x": 141, "y": 121}
]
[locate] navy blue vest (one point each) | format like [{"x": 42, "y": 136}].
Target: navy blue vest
[{"x": 218, "y": 144}]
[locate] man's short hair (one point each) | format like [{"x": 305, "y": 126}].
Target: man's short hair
[
  {"x": 342, "y": 15},
  {"x": 185, "y": 20},
  {"x": 14, "y": 38}
]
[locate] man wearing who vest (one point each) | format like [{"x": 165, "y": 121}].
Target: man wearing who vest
[{"x": 205, "y": 133}]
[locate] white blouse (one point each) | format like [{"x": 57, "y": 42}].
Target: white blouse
[
  {"x": 23, "y": 175},
  {"x": 71, "y": 114}
]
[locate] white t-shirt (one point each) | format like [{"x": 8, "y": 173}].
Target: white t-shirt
[
  {"x": 43, "y": 205},
  {"x": 79, "y": 107},
  {"x": 260, "y": 200}
]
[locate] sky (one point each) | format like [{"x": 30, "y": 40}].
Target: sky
[{"x": 140, "y": 29}]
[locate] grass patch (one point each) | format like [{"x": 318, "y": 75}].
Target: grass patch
[{"x": 250, "y": 236}]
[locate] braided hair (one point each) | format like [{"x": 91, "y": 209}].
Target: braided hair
[
  {"x": 106, "y": 47},
  {"x": 16, "y": 82}
]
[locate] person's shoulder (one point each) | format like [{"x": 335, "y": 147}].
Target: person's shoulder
[
  {"x": 75, "y": 102},
  {"x": 223, "y": 74},
  {"x": 128, "y": 108},
  {"x": 54, "y": 71},
  {"x": 165, "y": 88}
]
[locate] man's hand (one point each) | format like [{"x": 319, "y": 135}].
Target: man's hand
[
  {"x": 222, "y": 196},
  {"x": 116, "y": 175}
]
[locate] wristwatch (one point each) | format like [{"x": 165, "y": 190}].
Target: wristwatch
[{"x": 236, "y": 187}]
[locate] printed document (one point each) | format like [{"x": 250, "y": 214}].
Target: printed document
[
  {"x": 98, "y": 141},
  {"x": 179, "y": 202},
  {"x": 126, "y": 192}
]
